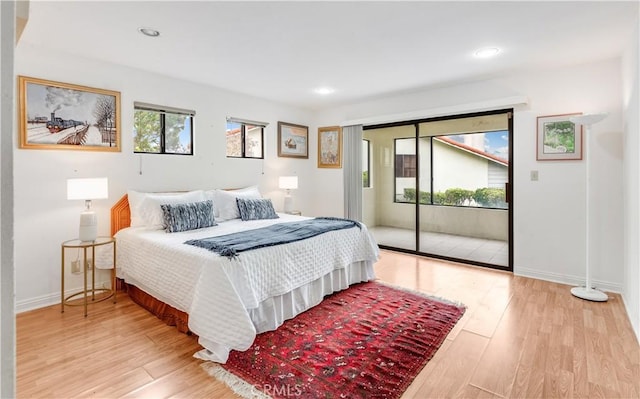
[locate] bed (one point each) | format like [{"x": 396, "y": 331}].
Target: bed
[{"x": 226, "y": 301}]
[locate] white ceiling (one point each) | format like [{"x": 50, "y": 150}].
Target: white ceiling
[{"x": 281, "y": 51}]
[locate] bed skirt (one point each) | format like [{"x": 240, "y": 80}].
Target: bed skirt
[
  {"x": 274, "y": 311},
  {"x": 170, "y": 315},
  {"x": 271, "y": 313}
]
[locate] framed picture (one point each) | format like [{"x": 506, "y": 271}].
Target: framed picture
[
  {"x": 330, "y": 147},
  {"x": 293, "y": 140},
  {"x": 65, "y": 116},
  {"x": 558, "y": 138}
]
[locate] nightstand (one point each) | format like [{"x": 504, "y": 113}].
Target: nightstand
[{"x": 88, "y": 248}]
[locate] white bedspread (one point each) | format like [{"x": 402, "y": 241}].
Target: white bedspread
[{"x": 218, "y": 293}]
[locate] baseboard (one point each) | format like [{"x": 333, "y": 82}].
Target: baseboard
[
  {"x": 52, "y": 299},
  {"x": 38, "y": 302},
  {"x": 634, "y": 321},
  {"x": 566, "y": 279}
]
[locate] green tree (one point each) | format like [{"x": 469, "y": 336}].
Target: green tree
[
  {"x": 457, "y": 196},
  {"x": 490, "y": 197},
  {"x": 409, "y": 195},
  {"x": 365, "y": 179},
  {"x": 484, "y": 197},
  {"x": 146, "y": 126},
  {"x": 173, "y": 125}
]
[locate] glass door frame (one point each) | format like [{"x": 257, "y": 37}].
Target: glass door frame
[{"x": 508, "y": 188}]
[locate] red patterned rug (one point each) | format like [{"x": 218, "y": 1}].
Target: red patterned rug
[{"x": 369, "y": 341}]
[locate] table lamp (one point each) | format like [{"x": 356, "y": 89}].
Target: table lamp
[
  {"x": 288, "y": 183},
  {"x": 87, "y": 190}
]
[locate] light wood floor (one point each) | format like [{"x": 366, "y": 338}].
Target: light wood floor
[{"x": 520, "y": 338}]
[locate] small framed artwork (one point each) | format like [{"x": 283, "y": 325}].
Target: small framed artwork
[
  {"x": 64, "y": 116},
  {"x": 558, "y": 139},
  {"x": 330, "y": 147},
  {"x": 293, "y": 140}
]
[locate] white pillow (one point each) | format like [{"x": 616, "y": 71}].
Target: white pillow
[
  {"x": 226, "y": 205},
  {"x": 151, "y": 213},
  {"x": 135, "y": 201}
]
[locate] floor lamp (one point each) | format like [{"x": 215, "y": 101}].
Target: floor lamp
[{"x": 588, "y": 292}]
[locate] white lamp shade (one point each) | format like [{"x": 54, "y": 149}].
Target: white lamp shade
[
  {"x": 288, "y": 182},
  {"x": 87, "y": 189},
  {"x": 588, "y": 119}
]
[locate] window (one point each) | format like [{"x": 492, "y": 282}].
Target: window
[
  {"x": 469, "y": 169},
  {"x": 405, "y": 157},
  {"x": 162, "y": 130},
  {"x": 245, "y": 138},
  {"x": 405, "y": 163},
  {"x": 366, "y": 174}
]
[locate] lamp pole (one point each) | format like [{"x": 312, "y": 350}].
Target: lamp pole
[{"x": 588, "y": 292}]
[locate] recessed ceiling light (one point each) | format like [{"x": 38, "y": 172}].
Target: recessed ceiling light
[
  {"x": 487, "y": 52},
  {"x": 149, "y": 32},
  {"x": 323, "y": 90}
]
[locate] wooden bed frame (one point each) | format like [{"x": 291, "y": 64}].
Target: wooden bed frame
[
  {"x": 120, "y": 219},
  {"x": 120, "y": 215}
]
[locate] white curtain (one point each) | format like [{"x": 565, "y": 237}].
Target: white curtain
[{"x": 352, "y": 147}]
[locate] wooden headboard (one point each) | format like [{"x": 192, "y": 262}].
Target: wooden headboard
[{"x": 120, "y": 215}]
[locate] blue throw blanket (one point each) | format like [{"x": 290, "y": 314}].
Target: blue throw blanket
[{"x": 230, "y": 245}]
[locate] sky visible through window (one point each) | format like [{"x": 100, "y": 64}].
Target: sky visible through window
[
  {"x": 495, "y": 143},
  {"x": 185, "y": 133}
]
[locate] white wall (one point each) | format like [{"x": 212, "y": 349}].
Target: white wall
[
  {"x": 549, "y": 214},
  {"x": 631, "y": 108},
  {"x": 43, "y": 216}
]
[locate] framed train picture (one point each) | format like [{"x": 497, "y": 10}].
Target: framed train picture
[{"x": 64, "y": 116}]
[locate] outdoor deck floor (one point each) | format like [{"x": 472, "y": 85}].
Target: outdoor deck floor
[{"x": 494, "y": 252}]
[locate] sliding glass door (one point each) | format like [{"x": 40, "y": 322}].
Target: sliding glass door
[
  {"x": 387, "y": 202},
  {"x": 440, "y": 187}
]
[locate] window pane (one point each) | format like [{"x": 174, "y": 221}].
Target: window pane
[
  {"x": 366, "y": 182},
  {"x": 234, "y": 139},
  {"x": 405, "y": 170},
  {"x": 244, "y": 140},
  {"x": 177, "y": 134},
  {"x": 405, "y": 165},
  {"x": 471, "y": 169},
  {"x": 253, "y": 141},
  {"x": 425, "y": 170},
  {"x": 146, "y": 131}
]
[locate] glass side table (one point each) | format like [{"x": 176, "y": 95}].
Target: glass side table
[{"x": 88, "y": 247}]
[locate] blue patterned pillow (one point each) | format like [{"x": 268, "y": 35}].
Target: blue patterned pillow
[
  {"x": 190, "y": 216},
  {"x": 256, "y": 209}
]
